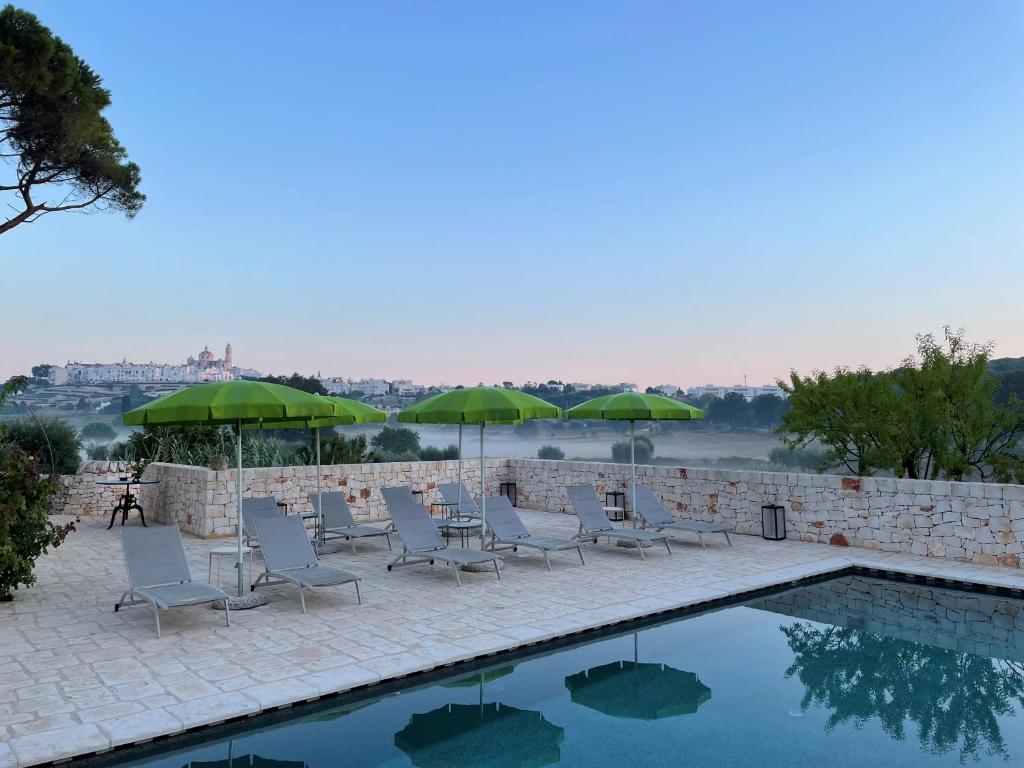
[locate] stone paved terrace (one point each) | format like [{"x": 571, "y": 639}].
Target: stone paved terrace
[{"x": 77, "y": 678}]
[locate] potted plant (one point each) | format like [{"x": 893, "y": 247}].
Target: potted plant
[{"x": 138, "y": 468}]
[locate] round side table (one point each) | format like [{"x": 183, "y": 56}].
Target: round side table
[{"x": 218, "y": 553}]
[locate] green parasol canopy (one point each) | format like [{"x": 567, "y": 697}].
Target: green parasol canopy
[
  {"x": 640, "y": 691},
  {"x": 484, "y": 736},
  {"x": 479, "y": 405},
  {"x": 237, "y": 402},
  {"x": 634, "y": 406},
  {"x": 483, "y": 406},
  {"x": 230, "y": 402},
  {"x": 346, "y": 413}
]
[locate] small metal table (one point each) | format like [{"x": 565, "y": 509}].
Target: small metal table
[
  {"x": 615, "y": 514},
  {"x": 452, "y": 523},
  {"x": 219, "y": 552},
  {"x": 128, "y": 501}
]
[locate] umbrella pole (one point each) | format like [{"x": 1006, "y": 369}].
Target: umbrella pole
[
  {"x": 483, "y": 495},
  {"x": 319, "y": 497},
  {"x": 632, "y": 468},
  {"x": 459, "y": 508},
  {"x": 241, "y": 563}
]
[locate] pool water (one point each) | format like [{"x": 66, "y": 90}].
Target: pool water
[{"x": 851, "y": 671}]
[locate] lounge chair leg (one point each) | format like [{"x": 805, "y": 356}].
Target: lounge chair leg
[
  {"x": 547, "y": 560},
  {"x": 387, "y": 538},
  {"x": 457, "y": 577},
  {"x": 641, "y": 550},
  {"x": 727, "y": 539},
  {"x": 579, "y": 551},
  {"x": 497, "y": 570},
  {"x": 668, "y": 546},
  {"x": 156, "y": 613},
  {"x": 302, "y": 598},
  {"x": 359, "y": 597},
  {"x": 700, "y": 536},
  {"x": 227, "y": 613},
  {"x": 353, "y": 545},
  {"x": 119, "y": 603}
]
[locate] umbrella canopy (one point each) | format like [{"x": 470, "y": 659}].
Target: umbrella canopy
[
  {"x": 238, "y": 402},
  {"x": 229, "y": 402},
  {"x": 346, "y": 413},
  {"x": 485, "y": 736},
  {"x": 479, "y": 405},
  {"x": 634, "y": 407},
  {"x": 640, "y": 691},
  {"x": 483, "y": 406}
]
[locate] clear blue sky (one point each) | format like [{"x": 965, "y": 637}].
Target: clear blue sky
[{"x": 659, "y": 192}]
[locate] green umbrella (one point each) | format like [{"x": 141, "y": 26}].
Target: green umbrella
[
  {"x": 479, "y": 405},
  {"x": 237, "y": 402},
  {"x": 485, "y": 736},
  {"x": 346, "y": 412},
  {"x": 634, "y": 407},
  {"x": 640, "y": 691}
]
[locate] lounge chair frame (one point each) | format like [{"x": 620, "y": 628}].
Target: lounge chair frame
[
  {"x": 594, "y": 523},
  {"x": 162, "y": 583},
  {"x": 299, "y": 565}
]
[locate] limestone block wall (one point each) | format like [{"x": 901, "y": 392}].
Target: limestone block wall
[
  {"x": 977, "y": 522},
  {"x": 203, "y": 501},
  {"x": 986, "y": 625}
]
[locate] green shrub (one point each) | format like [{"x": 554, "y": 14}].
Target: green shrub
[
  {"x": 25, "y": 529},
  {"x": 644, "y": 450},
  {"x": 38, "y": 438},
  {"x": 550, "y": 452},
  {"x": 98, "y": 432},
  {"x": 433, "y": 453},
  {"x": 397, "y": 440},
  {"x": 96, "y": 452}
]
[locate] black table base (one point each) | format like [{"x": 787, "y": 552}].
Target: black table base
[{"x": 126, "y": 504}]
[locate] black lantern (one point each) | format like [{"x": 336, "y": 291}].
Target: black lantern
[
  {"x": 773, "y": 522},
  {"x": 508, "y": 490},
  {"x": 615, "y": 501}
]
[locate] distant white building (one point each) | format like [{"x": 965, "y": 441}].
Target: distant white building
[
  {"x": 196, "y": 370},
  {"x": 748, "y": 392},
  {"x": 337, "y": 385},
  {"x": 669, "y": 390}
]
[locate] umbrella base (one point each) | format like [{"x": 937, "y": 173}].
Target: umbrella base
[
  {"x": 483, "y": 567},
  {"x": 633, "y": 544},
  {"x": 251, "y": 600}
]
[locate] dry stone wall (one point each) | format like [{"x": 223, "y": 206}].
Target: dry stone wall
[{"x": 976, "y": 522}]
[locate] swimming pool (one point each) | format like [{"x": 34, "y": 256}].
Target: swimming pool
[{"x": 850, "y": 671}]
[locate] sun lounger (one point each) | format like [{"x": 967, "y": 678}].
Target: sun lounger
[
  {"x": 339, "y": 523},
  {"x": 466, "y": 507},
  {"x": 257, "y": 508},
  {"x": 656, "y": 517},
  {"x": 422, "y": 543},
  {"x": 158, "y": 573},
  {"x": 399, "y": 497},
  {"x": 290, "y": 559},
  {"x": 594, "y": 523},
  {"x": 508, "y": 531}
]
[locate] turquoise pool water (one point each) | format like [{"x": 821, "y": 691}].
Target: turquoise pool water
[{"x": 852, "y": 671}]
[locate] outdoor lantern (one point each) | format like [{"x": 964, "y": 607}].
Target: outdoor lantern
[
  {"x": 509, "y": 491},
  {"x": 615, "y": 500},
  {"x": 773, "y": 522}
]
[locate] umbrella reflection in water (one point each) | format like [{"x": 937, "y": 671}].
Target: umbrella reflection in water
[
  {"x": 639, "y": 691},
  {"x": 484, "y": 735}
]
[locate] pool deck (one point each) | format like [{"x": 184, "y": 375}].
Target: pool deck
[{"x": 77, "y": 678}]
